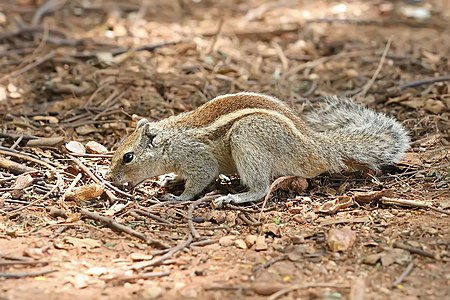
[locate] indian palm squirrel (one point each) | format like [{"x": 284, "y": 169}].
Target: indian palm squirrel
[{"x": 258, "y": 137}]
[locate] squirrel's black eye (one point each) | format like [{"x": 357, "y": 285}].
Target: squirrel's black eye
[{"x": 128, "y": 157}]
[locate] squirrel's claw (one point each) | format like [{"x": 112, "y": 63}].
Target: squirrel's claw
[
  {"x": 171, "y": 197},
  {"x": 219, "y": 202}
]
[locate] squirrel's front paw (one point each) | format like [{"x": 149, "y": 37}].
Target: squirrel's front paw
[
  {"x": 219, "y": 202},
  {"x": 171, "y": 197}
]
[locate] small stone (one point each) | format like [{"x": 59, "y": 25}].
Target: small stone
[
  {"x": 138, "y": 256},
  {"x": 266, "y": 288},
  {"x": 260, "y": 244},
  {"x": 15, "y": 95},
  {"x": 239, "y": 243},
  {"x": 250, "y": 240},
  {"x": 272, "y": 228},
  {"x": 299, "y": 218},
  {"x": 341, "y": 239},
  {"x": 227, "y": 241}
]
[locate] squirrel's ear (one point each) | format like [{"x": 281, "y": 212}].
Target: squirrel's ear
[
  {"x": 149, "y": 132},
  {"x": 141, "y": 123}
]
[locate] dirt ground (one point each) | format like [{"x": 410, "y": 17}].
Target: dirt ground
[{"x": 73, "y": 72}]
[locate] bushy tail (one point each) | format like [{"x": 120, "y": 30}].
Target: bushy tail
[{"x": 358, "y": 133}]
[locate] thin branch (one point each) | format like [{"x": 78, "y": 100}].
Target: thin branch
[
  {"x": 28, "y": 67},
  {"x": 405, "y": 273},
  {"x": 194, "y": 204},
  {"x": 412, "y": 203},
  {"x": 420, "y": 82},
  {"x": 413, "y": 249},
  {"x": 159, "y": 260},
  {"x": 117, "y": 226},
  {"x": 29, "y": 274},
  {"x": 306, "y": 286},
  {"x": 369, "y": 84}
]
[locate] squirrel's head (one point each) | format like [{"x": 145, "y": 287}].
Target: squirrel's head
[{"x": 138, "y": 157}]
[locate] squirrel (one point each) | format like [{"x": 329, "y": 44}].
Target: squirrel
[{"x": 258, "y": 137}]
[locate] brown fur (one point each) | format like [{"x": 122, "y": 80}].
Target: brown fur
[{"x": 223, "y": 105}]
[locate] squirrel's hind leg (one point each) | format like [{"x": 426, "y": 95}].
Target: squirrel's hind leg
[{"x": 252, "y": 165}]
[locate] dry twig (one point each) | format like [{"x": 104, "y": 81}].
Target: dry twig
[
  {"x": 369, "y": 84},
  {"x": 420, "y": 82},
  {"x": 413, "y": 249},
  {"x": 117, "y": 226},
  {"x": 412, "y": 203},
  {"x": 29, "y": 274},
  {"x": 159, "y": 260},
  {"x": 14, "y": 167},
  {"x": 405, "y": 273},
  {"x": 28, "y": 67},
  {"x": 150, "y": 215},
  {"x": 207, "y": 198},
  {"x": 306, "y": 286}
]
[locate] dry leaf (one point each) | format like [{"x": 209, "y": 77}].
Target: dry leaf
[
  {"x": 434, "y": 106},
  {"x": 36, "y": 253},
  {"x": 137, "y": 256},
  {"x": 367, "y": 197},
  {"x": 341, "y": 239},
  {"x": 82, "y": 243},
  {"x": 84, "y": 193},
  {"x": 295, "y": 184},
  {"x": 97, "y": 271},
  {"x": 86, "y": 129},
  {"x": 49, "y": 119},
  {"x": 80, "y": 281},
  {"x": 75, "y": 147},
  {"x": 22, "y": 182},
  {"x": 413, "y": 103},
  {"x": 96, "y": 148},
  {"x": 115, "y": 208},
  {"x": 333, "y": 206}
]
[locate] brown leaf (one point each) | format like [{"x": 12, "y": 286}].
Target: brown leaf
[
  {"x": 434, "y": 106},
  {"x": 333, "y": 206},
  {"x": 295, "y": 184},
  {"x": 82, "y": 243},
  {"x": 96, "y": 148},
  {"x": 367, "y": 197},
  {"x": 84, "y": 193},
  {"x": 75, "y": 147},
  {"x": 137, "y": 256},
  {"x": 22, "y": 182}
]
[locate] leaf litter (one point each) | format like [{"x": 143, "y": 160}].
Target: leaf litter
[{"x": 79, "y": 76}]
